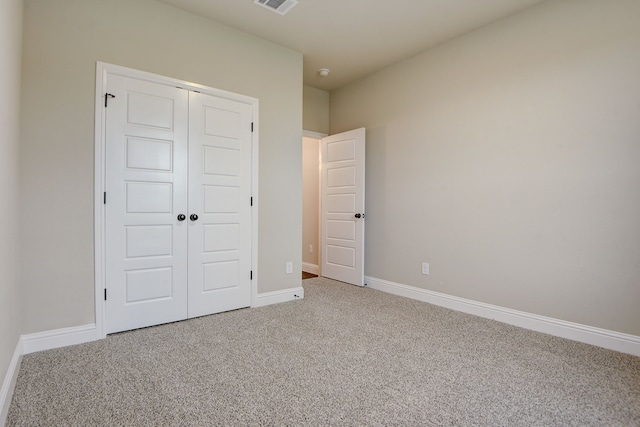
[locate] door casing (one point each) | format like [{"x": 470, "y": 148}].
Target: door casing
[{"x": 103, "y": 70}]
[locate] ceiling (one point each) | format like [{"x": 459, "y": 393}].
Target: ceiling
[{"x": 354, "y": 38}]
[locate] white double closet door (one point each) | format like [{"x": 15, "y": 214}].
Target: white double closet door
[{"x": 178, "y": 211}]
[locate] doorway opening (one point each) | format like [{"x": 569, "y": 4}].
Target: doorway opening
[{"x": 311, "y": 204}]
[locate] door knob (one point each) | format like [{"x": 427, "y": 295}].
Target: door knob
[
  {"x": 358, "y": 215},
  {"x": 181, "y": 217},
  {"x": 193, "y": 217}
]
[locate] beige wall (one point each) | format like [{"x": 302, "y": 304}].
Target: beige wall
[
  {"x": 10, "y": 51},
  {"x": 315, "y": 110},
  {"x": 310, "y": 199},
  {"x": 509, "y": 159},
  {"x": 63, "y": 39}
]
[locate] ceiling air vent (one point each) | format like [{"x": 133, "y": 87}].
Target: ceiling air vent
[{"x": 278, "y": 6}]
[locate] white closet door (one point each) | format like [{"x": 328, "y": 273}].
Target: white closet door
[
  {"x": 146, "y": 190},
  {"x": 220, "y": 195}
]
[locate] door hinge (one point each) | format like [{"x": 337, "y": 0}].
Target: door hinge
[
  {"x": 251, "y": 126},
  {"x": 251, "y": 275},
  {"x": 106, "y": 98},
  {"x": 105, "y": 294},
  {"x": 104, "y": 198},
  {"x": 251, "y": 202}
]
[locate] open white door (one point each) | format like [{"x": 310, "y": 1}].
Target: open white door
[{"x": 342, "y": 158}]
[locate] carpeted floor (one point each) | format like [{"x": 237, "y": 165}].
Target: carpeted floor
[{"x": 341, "y": 356}]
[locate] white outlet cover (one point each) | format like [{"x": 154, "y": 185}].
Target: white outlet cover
[
  {"x": 289, "y": 267},
  {"x": 425, "y": 268}
]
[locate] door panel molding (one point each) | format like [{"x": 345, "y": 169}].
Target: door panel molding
[{"x": 103, "y": 72}]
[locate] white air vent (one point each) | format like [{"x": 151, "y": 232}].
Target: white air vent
[{"x": 278, "y": 6}]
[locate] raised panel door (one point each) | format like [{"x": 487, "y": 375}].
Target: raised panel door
[
  {"x": 178, "y": 213},
  {"x": 342, "y": 206},
  {"x": 146, "y": 183},
  {"x": 219, "y": 194}
]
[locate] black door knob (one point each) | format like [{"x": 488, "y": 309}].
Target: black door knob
[
  {"x": 193, "y": 217},
  {"x": 358, "y": 216},
  {"x": 182, "y": 217}
]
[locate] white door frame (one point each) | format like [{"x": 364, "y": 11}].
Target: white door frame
[{"x": 103, "y": 70}]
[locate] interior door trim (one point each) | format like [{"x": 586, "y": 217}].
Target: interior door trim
[{"x": 103, "y": 70}]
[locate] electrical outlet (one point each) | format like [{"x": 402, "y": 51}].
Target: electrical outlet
[
  {"x": 425, "y": 268},
  {"x": 310, "y": 249},
  {"x": 289, "y": 267}
]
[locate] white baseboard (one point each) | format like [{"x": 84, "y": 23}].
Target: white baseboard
[
  {"x": 9, "y": 383},
  {"x": 59, "y": 338},
  {"x": 81, "y": 334},
  {"x": 310, "y": 268},
  {"x": 612, "y": 340},
  {"x": 276, "y": 297}
]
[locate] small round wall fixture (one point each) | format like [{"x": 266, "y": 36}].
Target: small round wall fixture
[{"x": 324, "y": 72}]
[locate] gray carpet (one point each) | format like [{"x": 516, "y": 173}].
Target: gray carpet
[{"x": 342, "y": 356}]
